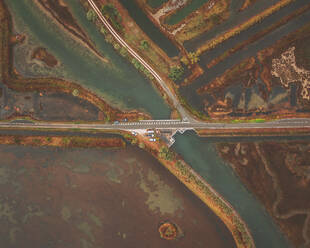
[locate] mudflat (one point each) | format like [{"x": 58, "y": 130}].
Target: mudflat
[{"x": 55, "y": 197}]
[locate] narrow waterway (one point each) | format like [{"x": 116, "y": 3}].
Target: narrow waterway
[
  {"x": 189, "y": 92},
  {"x": 121, "y": 83},
  {"x": 118, "y": 82},
  {"x": 183, "y": 12},
  {"x": 201, "y": 155},
  {"x": 235, "y": 19},
  {"x": 149, "y": 28}
]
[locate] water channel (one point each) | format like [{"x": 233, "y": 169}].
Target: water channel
[
  {"x": 119, "y": 82},
  {"x": 123, "y": 83},
  {"x": 189, "y": 92},
  {"x": 183, "y": 12},
  {"x": 149, "y": 28},
  {"x": 201, "y": 154}
]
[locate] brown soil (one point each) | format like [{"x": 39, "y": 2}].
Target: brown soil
[
  {"x": 277, "y": 174},
  {"x": 57, "y": 107},
  {"x": 95, "y": 198},
  {"x": 42, "y": 54}
]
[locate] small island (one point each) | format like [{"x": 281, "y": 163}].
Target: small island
[{"x": 41, "y": 54}]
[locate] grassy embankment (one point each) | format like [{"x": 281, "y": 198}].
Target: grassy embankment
[
  {"x": 251, "y": 132},
  {"x": 236, "y": 30},
  {"x": 202, "y": 190},
  {"x": 181, "y": 13},
  {"x": 200, "y": 21},
  {"x": 139, "y": 41},
  {"x": 18, "y": 83},
  {"x": 259, "y": 35},
  {"x": 228, "y": 76},
  {"x": 62, "y": 141}
]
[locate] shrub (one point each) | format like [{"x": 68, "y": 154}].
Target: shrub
[
  {"x": 123, "y": 51},
  {"x": 112, "y": 14},
  {"x": 144, "y": 45},
  {"x": 75, "y": 92},
  {"x": 193, "y": 57},
  {"x": 176, "y": 73},
  {"x": 91, "y": 15}
]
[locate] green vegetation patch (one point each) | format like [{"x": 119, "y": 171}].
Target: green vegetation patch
[
  {"x": 112, "y": 14},
  {"x": 176, "y": 73},
  {"x": 91, "y": 15},
  {"x": 180, "y": 14},
  {"x": 166, "y": 154}
]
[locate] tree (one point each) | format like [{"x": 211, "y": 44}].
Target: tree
[
  {"x": 112, "y": 14},
  {"x": 193, "y": 57},
  {"x": 176, "y": 72},
  {"x": 144, "y": 45},
  {"x": 123, "y": 51},
  {"x": 91, "y": 15},
  {"x": 75, "y": 92},
  {"x": 103, "y": 30},
  {"x": 184, "y": 60},
  {"x": 165, "y": 153}
]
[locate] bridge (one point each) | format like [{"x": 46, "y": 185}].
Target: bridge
[{"x": 162, "y": 124}]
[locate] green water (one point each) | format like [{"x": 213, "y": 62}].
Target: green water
[
  {"x": 122, "y": 85},
  {"x": 201, "y": 154},
  {"x": 181, "y": 13},
  {"x": 119, "y": 82},
  {"x": 156, "y": 3}
]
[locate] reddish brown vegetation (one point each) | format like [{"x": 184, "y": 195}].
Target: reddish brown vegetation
[
  {"x": 240, "y": 72},
  {"x": 253, "y": 132},
  {"x": 277, "y": 173},
  {"x": 42, "y": 54},
  {"x": 62, "y": 141},
  {"x": 168, "y": 231}
]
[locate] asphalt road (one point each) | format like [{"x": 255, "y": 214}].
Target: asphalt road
[
  {"x": 162, "y": 83},
  {"x": 163, "y": 124}
]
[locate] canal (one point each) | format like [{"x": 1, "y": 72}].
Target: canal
[
  {"x": 149, "y": 28},
  {"x": 118, "y": 82},
  {"x": 200, "y": 153},
  {"x": 122, "y": 85}
]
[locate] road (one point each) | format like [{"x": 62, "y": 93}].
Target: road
[
  {"x": 162, "y": 83},
  {"x": 163, "y": 124}
]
